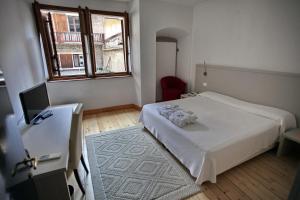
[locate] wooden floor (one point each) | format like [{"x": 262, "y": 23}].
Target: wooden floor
[
  {"x": 107, "y": 121},
  {"x": 264, "y": 177}
]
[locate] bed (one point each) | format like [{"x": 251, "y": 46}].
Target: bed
[{"x": 228, "y": 132}]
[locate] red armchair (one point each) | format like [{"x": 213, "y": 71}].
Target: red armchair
[{"x": 172, "y": 87}]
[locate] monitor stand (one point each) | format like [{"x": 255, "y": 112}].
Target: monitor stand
[{"x": 42, "y": 116}]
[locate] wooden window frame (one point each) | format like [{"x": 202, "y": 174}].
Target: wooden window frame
[
  {"x": 125, "y": 37},
  {"x": 41, "y": 29},
  {"x": 86, "y": 30}
]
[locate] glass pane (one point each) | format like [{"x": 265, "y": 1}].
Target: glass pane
[
  {"x": 108, "y": 43},
  {"x": 67, "y": 37},
  {"x": 77, "y": 27},
  {"x": 76, "y": 60},
  {"x": 72, "y": 29}
]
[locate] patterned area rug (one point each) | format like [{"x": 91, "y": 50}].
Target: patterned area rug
[{"x": 130, "y": 164}]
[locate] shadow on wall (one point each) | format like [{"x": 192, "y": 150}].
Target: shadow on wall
[
  {"x": 169, "y": 62},
  {"x": 5, "y": 104},
  {"x": 175, "y": 33}
]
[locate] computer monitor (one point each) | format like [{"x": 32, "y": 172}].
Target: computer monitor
[{"x": 34, "y": 101}]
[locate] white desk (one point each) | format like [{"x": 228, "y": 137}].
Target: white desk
[{"x": 51, "y": 136}]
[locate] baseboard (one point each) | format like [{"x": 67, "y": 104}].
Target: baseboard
[
  {"x": 137, "y": 107},
  {"x": 113, "y": 108}
]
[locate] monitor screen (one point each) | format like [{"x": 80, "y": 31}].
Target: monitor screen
[{"x": 34, "y": 101}]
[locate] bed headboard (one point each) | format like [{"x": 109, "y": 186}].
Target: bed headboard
[{"x": 277, "y": 89}]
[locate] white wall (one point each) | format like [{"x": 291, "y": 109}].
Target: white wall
[
  {"x": 165, "y": 64},
  {"x": 17, "y": 49},
  {"x": 5, "y": 104},
  {"x": 95, "y": 93},
  {"x": 156, "y": 15},
  {"x": 184, "y": 59},
  {"x": 261, "y": 34},
  {"x": 108, "y": 5},
  {"x": 135, "y": 31},
  {"x": 20, "y": 57}
]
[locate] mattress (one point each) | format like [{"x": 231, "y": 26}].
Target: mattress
[{"x": 228, "y": 132}]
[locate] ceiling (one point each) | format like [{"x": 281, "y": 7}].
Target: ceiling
[{"x": 181, "y": 2}]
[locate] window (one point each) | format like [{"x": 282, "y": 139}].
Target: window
[
  {"x": 110, "y": 54},
  {"x": 59, "y": 42},
  {"x": 74, "y": 24},
  {"x": 78, "y": 60},
  {"x": 82, "y": 43}
]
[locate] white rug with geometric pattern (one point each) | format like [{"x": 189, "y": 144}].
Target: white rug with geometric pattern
[{"x": 130, "y": 164}]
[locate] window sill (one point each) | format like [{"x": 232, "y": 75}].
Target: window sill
[{"x": 85, "y": 79}]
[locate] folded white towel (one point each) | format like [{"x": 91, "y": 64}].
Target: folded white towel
[
  {"x": 169, "y": 106},
  {"x": 167, "y": 110},
  {"x": 182, "y": 118}
]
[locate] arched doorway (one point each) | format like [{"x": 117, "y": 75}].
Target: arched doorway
[{"x": 167, "y": 48}]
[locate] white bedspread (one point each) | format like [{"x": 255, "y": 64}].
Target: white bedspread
[{"x": 227, "y": 133}]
